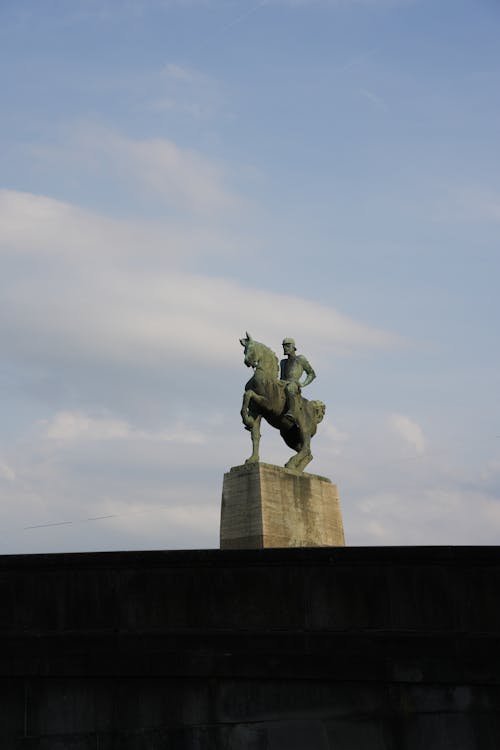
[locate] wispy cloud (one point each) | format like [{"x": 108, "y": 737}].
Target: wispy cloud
[
  {"x": 180, "y": 73},
  {"x": 44, "y": 227},
  {"x": 92, "y": 302},
  {"x": 409, "y": 430},
  {"x": 373, "y": 98},
  {"x": 185, "y": 91},
  {"x": 437, "y": 515},
  {"x": 182, "y": 177},
  {"x": 6, "y": 472},
  {"x": 474, "y": 203},
  {"x": 77, "y": 425}
]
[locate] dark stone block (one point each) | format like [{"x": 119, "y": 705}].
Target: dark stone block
[
  {"x": 340, "y": 597},
  {"x": 342, "y": 648},
  {"x": 297, "y": 735},
  {"x": 159, "y": 703},
  {"x": 259, "y": 700},
  {"x": 12, "y": 709},
  {"x": 69, "y": 705},
  {"x": 438, "y": 731},
  {"x": 422, "y": 597},
  {"x": 61, "y": 742},
  {"x": 361, "y": 734}
]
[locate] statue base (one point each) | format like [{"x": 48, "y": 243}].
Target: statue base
[{"x": 269, "y": 506}]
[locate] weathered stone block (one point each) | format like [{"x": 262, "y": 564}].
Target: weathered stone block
[{"x": 269, "y": 506}]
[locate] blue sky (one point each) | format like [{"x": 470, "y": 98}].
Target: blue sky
[{"x": 175, "y": 172}]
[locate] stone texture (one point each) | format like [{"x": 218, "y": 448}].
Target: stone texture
[
  {"x": 332, "y": 648},
  {"x": 269, "y": 506}
]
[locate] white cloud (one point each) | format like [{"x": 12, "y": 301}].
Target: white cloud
[
  {"x": 46, "y": 228},
  {"x": 182, "y": 177},
  {"x": 77, "y": 425},
  {"x": 91, "y": 301},
  {"x": 474, "y": 204},
  {"x": 394, "y": 497},
  {"x": 183, "y": 91},
  {"x": 373, "y": 98},
  {"x": 409, "y": 430},
  {"x": 144, "y": 519},
  {"x": 100, "y": 482},
  {"x": 436, "y": 515},
  {"x": 491, "y": 472},
  {"x": 180, "y": 73},
  {"x": 336, "y": 437},
  {"x": 68, "y": 425},
  {"x": 6, "y": 472}
]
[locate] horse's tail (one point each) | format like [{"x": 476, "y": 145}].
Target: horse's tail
[{"x": 318, "y": 410}]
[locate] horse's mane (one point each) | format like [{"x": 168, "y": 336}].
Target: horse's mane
[{"x": 270, "y": 355}]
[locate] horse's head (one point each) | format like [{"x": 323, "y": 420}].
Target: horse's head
[
  {"x": 259, "y": 356},
  {"x": 249, "y": 346}
]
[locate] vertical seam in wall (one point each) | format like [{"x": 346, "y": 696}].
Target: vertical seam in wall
[
  {"x": 261, "y": 519},
  {"x": 26, "y": 693}
]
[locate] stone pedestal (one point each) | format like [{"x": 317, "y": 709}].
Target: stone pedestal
[{"x": 269, "y": 506}]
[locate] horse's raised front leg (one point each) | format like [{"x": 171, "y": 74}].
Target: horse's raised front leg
[
  {"x": 255, "y": 432},
  {"x": 248, "y": 420},
  {"x": 258, "y": 400}
]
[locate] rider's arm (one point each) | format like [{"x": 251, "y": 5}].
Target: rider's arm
[{"x": 308, "y": 370}]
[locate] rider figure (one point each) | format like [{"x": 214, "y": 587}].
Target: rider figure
[{"x": 291, "y": 370}]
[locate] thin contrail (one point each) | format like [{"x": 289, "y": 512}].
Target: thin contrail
[
  {"x": 244, "y": 15},
  {"x": 234, "y": 22}
]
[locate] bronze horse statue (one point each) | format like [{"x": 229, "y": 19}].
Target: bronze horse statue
[{"x": 265, "y": 396}]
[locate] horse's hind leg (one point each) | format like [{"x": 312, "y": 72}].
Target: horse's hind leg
[
  {"x": 304, "y": 456},
  {"x": 255, "y": 432},
  {"x": 301, "y": 463}
]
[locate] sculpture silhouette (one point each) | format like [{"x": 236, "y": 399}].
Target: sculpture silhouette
[{"x": 265, "y": 396}]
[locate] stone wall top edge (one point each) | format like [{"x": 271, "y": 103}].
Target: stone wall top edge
[
  {"x": 249, "y": 468},
  {"x": 271, "y": 557}
]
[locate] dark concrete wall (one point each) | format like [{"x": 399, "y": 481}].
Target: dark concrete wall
[{"x": 298, "y": 649}]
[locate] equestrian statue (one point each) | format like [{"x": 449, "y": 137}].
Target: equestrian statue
[{"x": 275, "y": 394}]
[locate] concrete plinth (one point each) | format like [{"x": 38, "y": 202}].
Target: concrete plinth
[{"x": 268, "y": 506}]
